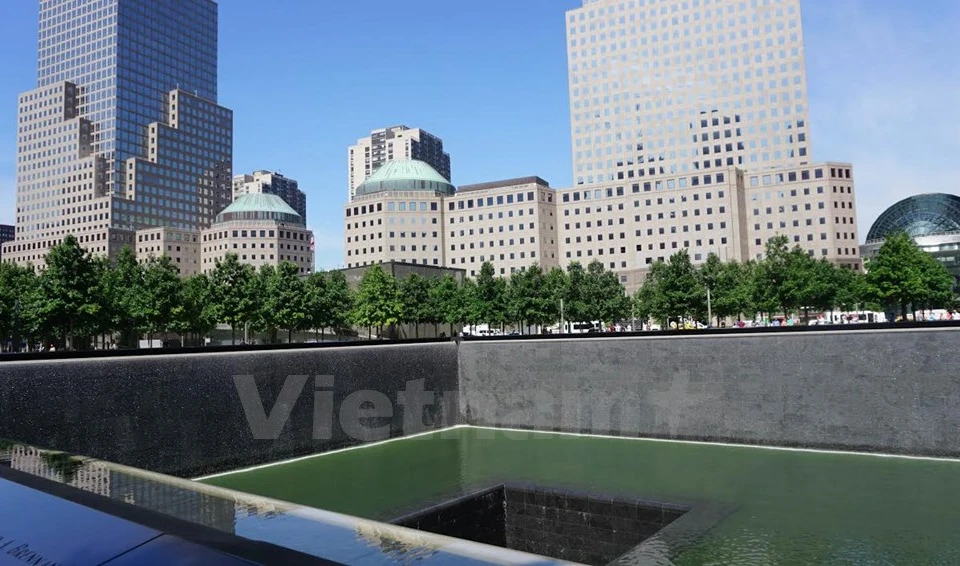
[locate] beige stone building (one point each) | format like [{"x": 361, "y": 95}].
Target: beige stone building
[
  {"x": 730, "y": 213},
  {"x": 394, "y": 143},
  {"x": 181, "y": 246},
  {"x": 510, "y": 223},
  {"x": 397, "y": 215},
  {"x": 627, "y": 227},
  {"x": 261, "y": 229},
  {"x": 813, "y": 205}
]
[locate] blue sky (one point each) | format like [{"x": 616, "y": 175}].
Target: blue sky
[{"x": 306, "y": 78}]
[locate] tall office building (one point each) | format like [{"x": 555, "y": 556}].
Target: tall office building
[
  {"x": 123, "y": 131},
  {"x": 270, "y": 183},
  {"x": 388, "y": 144},
  {"x": 668, "y": 87}
]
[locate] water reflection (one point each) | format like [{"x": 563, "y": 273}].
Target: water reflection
[{"x": 333, "y": 536}]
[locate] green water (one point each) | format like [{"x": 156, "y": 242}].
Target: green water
[{"x": 791, "y": 507}]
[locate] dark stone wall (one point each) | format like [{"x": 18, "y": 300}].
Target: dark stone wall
[
  {"x": 478, "y": 517},
  {"x": 182, "y": 414},
  {"x": 894, "y": 391},
  {"x": 577, "y": 528},
  {"x": 887, "y": 390}
]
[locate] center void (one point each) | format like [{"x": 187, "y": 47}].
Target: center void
[{"x": 589, "y": 529}]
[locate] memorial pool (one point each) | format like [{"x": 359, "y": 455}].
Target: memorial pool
[{"x": 780, "y": 506}]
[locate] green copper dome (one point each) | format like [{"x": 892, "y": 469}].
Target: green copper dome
[
  {"x": 259, "y": 206},
  {"x": 405, "y": 175}
]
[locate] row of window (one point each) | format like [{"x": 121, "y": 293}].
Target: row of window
[
  {"x": 503, "y": 257},
  {"x": 791, "y": 176},
  {"x": 499, "y": 199},
  {"x": 453, "y": 220}
]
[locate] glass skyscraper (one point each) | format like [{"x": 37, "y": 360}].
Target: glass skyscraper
[{"x": 123, "y": 130}]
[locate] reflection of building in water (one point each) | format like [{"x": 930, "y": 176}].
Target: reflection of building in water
[
  {"x": 185, "y": 504},
  {"x": 402, "y": 546},
  {"x": 97, "y": 477},
  {"x": 63, "y": 468}
]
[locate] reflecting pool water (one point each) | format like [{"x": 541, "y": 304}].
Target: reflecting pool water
[{"x": 784, "y": 506}]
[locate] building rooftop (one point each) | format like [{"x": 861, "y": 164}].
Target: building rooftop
[
  {"x": 259, "y": 206},
  {"x": 405, "y": 175},
  {"x": 504, "y": 183}
]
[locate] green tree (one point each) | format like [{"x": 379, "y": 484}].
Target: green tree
[
  {"x": 318, "y": 305},
  {"x": 285, "y": 301},
  {"x": 447, "y": 297},
  {"x": 740, "y": 280},
  {"x": 162, "y": 293},
  {"x": 606, "y": 299},
  {"x": 648, "y": 301},
  {"x": 725, "y": 280},
  {"x": 431, "y": 313},
  {"x": 938, "y": 284},
  {"x": 18, "y": 286},
  {"x": 490, "y": 298},
  {"x": 469, "y": 303},
  {"x": 232, "y": 283},
  {"x": 415, "y": 301},
  {"x": 68, "y": 301},
  {"x": 123, "y": 289},
  {"x": 823, "y": 287},
  {"x": 554, "y": 290},
  {"x": 196, "y": 313},
  {"x": 575, "y": 294},
  {"x": 902, "y": 274},
  {"x": 378, "y": 303},
  {"x": 680, "y": 290},
  {"x": 341, "y": 300},
  {"x": 851, "y": 289},
  {"x": 802, "y": 288},
  {"x": 527, "y": 298},
  {"x": 771, "y": 276}
]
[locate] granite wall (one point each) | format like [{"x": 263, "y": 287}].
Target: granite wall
[
  {"x": 894, "y": 391},
  {"x": 887, "y": 390},
  {"x": 188, "y": 414}
]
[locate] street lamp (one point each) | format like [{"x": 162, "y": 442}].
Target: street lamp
[
  {"x": 16, "y": 324},
  {"x": 709, "y": 309}
]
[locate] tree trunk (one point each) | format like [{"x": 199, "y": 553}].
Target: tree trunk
[
  {"x": 233, "y": 335},
  {"x": 289, "y": 336},
  {"x": 416, "y": 329},
  {"x": 903, "y": 310},
  {"x": 322, "y": 332}
]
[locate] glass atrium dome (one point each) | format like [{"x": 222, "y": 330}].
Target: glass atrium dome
[
  {"x": 932, "y": 214},
  {"x": 405, "y": 175}
]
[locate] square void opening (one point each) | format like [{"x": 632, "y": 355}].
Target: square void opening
[{"x": 570, "y": 526}]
